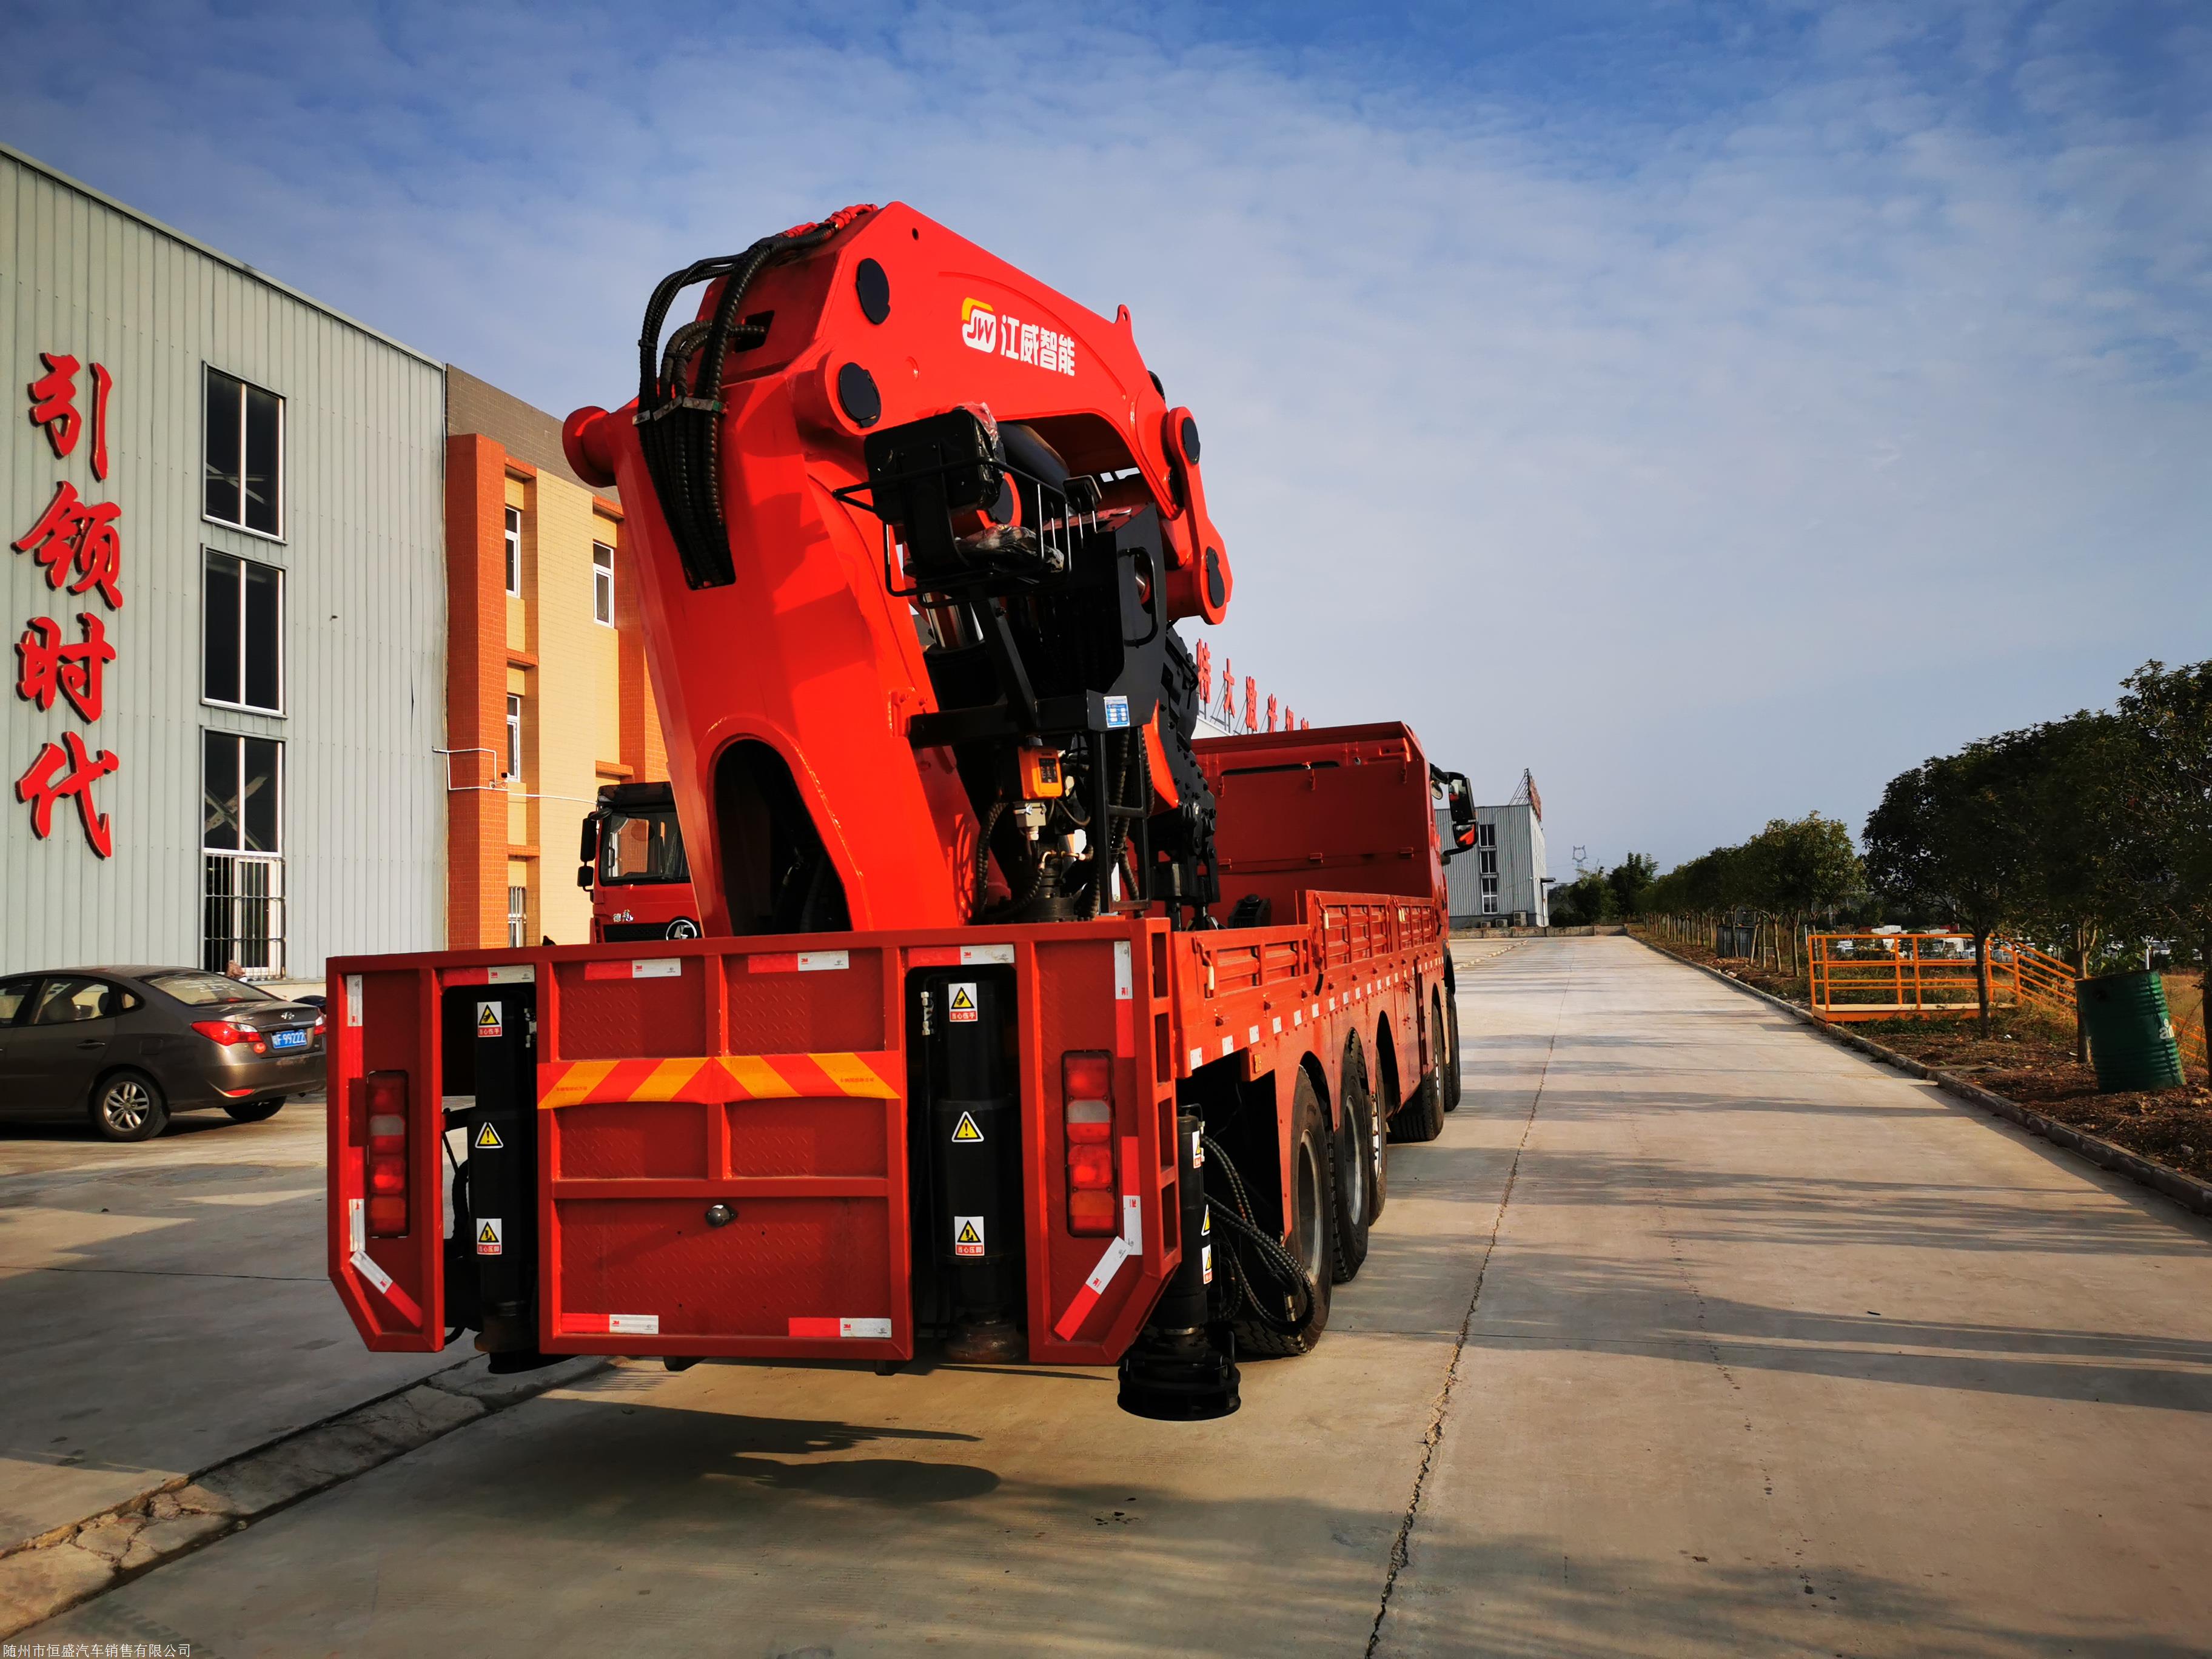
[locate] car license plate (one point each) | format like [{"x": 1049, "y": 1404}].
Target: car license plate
[{"x": 288, "y": 1039}]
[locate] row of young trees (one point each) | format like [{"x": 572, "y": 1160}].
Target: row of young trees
[
  {"x": 2089, "y": 835},
  {"x": 1787, "y": 875}
]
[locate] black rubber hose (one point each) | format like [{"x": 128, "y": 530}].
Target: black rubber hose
[
  {"x": 1285, "y": 1269},
  {"x": 983, "y": 857}
]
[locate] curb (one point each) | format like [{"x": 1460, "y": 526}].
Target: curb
[
  {"x": 72, "y": 1563},
  {"x": 2184, "y": 1190}
]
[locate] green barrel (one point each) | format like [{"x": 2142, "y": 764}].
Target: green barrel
[{"x": 2130, "y": 1032}]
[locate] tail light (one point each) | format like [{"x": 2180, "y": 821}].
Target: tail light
[
  {"x": 1087, "y": 1089},
  {"x": 230, "y": 1036},
  {"x": 387, "y": 1153}
]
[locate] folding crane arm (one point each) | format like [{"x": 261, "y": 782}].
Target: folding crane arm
[{"x": 911, "y": 528}]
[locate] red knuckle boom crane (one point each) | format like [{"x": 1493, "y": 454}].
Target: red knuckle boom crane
[{"x": 1025, "y": 1018}]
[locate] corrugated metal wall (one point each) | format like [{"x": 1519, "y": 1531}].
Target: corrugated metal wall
[{"x": 364, "y": 608}]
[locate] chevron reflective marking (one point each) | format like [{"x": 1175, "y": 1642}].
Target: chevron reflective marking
[{"x": 711, "y": 1079}]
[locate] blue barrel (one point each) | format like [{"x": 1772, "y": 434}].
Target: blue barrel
[{"x": 2130, "y": 1031}]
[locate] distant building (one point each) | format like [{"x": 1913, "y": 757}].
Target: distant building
[
  {"x": 547, "y": 695},
  {"x": 1503, "y": 880}
]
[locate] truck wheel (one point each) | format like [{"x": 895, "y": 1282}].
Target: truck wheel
[
  {"x": 128, "y": 1106},
  {"x": 1451, "y": 1054},
  {"x": 1382, "y": 1111},
  {"x": 1313, "y": 1210},
  {"x": 1424, "y": 1117},
  {"x": 1354, "y": 1159}
]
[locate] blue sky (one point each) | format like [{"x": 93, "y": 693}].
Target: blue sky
[{"x": 1714, "y": 408}]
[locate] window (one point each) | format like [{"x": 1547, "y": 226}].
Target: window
[
  {"x": 242, "y": 895},
  {"x": 244, "y": 455},
  {"x": 242, "y": 636},
  {"x": 643, "y": 846},
  {"x": 13, "y": 992},
  {"x": 1485, "y": 834},
  {"x": 67, "y": 1001},
  {"x": 206, "y": 990},
  {"x": 1489, "y": 904},
  {"x": 513, "y": 736},
  {"x": 1488, "y": 858},
  {"x": 515, "y": 550},
  {"x": 603, "y": 583},
  {"x": 517, "y": 917},
  {"x": 240, "y": 789}
]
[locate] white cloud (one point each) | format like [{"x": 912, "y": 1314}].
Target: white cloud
[{"x": 1716, "y": 468}]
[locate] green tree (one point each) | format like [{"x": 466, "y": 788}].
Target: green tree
[
  {"x": 2089, "y": 863},
  {"x": 1955, "y": 839},
  {"x": 2168, "y": 713},
  {"x": 1584, "y": 902},
  {"x": 1630, "y": 883},
  {"x": 1798, "y": 868}
]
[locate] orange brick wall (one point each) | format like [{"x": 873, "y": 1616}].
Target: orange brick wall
[{"x": 476, "y": 690}]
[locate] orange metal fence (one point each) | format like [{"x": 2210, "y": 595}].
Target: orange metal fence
[{"x": 1855, "y": 976}]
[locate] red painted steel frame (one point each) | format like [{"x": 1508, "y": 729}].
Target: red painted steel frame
[
  {"x": 806, "y": 650},
  {"x": 671, "y": 1135}
]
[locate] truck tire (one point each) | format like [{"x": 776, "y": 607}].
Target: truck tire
[
  {"x": 1354, "y": 1160},
  {"x": 1313, "y": 1215},
  {"x": 1451, "y": 1053},
  {"x": 1424, "y": 1117}
]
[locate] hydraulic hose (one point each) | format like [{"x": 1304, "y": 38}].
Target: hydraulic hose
[{"x": 1275, "y": 1262}]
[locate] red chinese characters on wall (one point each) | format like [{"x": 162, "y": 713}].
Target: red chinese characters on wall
[{"x": 80, "y": 545}]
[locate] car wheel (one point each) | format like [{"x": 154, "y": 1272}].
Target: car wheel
[
  {"x": 254, "y": 1111},
  {"x": 128, "y": 1106}
]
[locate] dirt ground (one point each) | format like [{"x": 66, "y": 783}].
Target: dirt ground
[{"x": 2028, "y": 1058}]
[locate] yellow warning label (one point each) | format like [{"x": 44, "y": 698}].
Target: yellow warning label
[
  {"x": 488, "y": 1023},
  {"x": 489, "y": 1137},
  {"x": 967, "y": 1235},
  {"x": 966, "y": 1130},
  {"x": 962, "y": 1005},
  {"x": 488, "y": 1234}
]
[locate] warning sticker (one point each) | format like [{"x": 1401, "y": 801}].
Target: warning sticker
[
  {"x": 489, "y": 1232},
  {"x": 963, "y": 1003},
  {"x": 967, "y": 1235},
  {"x": 488, "y": 1023},
  {"x": 966, "y": 1130},
  {"x": 1205, "y": 1264},
  {"x": 489, "y": 1138}
]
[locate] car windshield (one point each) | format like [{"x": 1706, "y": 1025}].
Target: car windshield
[{"x": 199, "y": 990}]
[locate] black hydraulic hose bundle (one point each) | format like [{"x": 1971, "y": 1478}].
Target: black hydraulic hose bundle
[
  {"x": 678, "y": 418},
  {"x": 1274, "y": 1262}
]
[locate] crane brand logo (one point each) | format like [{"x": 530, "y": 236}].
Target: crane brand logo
[
  {"x": 983, "y": 329},
  {"x": 979, "y": 325}
]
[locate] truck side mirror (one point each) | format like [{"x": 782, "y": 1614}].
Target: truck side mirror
[
  {"x": 589, "y": 851},
  {"x": 584, "y": 876}
]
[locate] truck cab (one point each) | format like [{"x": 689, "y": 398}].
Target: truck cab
[{"x": 632, "y": 862}]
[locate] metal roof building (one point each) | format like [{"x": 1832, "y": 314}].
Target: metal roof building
[{"x": 226, "y": 588}]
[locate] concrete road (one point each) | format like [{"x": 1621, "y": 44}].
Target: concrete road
[
  {"x": 1694, "y": 1334},
  {"x": 164, "y": 1307}
]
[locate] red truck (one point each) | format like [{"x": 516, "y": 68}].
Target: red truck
[
  {"x": 1022, "y": 1021},
  {"x": 633, "y": 866}
]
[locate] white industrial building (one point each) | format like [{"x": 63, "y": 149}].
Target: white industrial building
[
  {"x": 227, "y": 595},
  {"x": 1502, "y": 881}
]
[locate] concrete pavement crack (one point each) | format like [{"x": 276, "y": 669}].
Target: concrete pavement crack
[{"x": 1401, "y": 1546}]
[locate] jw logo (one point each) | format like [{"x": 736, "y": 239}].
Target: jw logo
[
  {"x": 979, "y": 325},
  {"x": 983, "y": 329}
]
